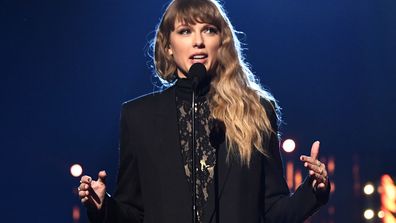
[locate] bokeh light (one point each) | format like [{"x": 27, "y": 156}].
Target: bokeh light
[
  {"x": 288, "y": 145},
  {"x": 76, "y": 213},
  {"x": 76, "y": 170},
  {"x": 368, "y": 189},
  {"x": 381, "y": 214},
  {"x": 368, "y": 214}
]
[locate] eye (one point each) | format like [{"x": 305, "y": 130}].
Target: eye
[
  {"x": 211, "y": 30},
  {"x": 184, "y": 31}
]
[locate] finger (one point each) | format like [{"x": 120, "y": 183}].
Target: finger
[
  {"x": 315, "y": 150},
  {"x": 83, "y": 186},
  {"x": 306, "y": 158},
  {"x": 322, "y": 185},
  {"x": 82, "y": 194},
  {"x": 102, "y": 176},
  {"x": 310, "y": 160},
  {"x": 86, "y": 179},
  {"x": 315, "y": 168},
  {"x": 319, "y": 178},
  {"x": 314, "y": 182},
  {"x": 84, "y": 200},
  {"x": 324, "y": 171}
]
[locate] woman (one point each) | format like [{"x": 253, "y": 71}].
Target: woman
[{"x": 239, "y": 174}]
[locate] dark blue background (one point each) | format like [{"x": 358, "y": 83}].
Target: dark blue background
[{"x": 66, "y": 67}]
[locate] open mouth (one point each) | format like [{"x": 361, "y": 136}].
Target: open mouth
[{"x": 198, "y": 56}]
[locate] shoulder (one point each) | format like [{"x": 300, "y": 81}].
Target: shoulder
[
  {"x": 269, "y": 104},
  {"x": 147, "y": 101}
]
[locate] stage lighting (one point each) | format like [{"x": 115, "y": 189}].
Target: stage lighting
[
  {"x": 76, "y": 170},
  {"x": 368, "y": 214},
  {"x": 368, "y": 189},
  {"x": 288, "y": 145},
  {"x": 381, "y": 214},
  {"x": 76, "y": 213}
]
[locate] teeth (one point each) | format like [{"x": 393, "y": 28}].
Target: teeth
[{"x": 199, "y": 56}]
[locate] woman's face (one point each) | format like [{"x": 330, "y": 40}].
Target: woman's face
[{"x": 191, "y": 44}]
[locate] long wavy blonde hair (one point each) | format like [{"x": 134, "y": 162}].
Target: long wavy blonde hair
[{"x": 235, "y": 93}]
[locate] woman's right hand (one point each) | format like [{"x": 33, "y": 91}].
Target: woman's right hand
[{"x": 91, "y": 192}]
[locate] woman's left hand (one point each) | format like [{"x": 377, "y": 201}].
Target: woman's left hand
[{"x": 317, "y": 169}]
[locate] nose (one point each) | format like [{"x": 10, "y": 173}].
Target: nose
[{"x": 198, "y": 41}]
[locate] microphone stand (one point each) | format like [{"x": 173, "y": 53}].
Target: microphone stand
[{"x": 194, "y": 159}]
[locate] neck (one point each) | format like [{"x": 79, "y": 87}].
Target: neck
[{"x": 184, "y": 88}]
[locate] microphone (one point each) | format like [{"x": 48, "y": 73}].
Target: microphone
[{"x": 197, "y": 73}]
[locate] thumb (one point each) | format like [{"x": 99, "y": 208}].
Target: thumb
[
  {"x": 315, "y": 150},
  {"x": 102, "y": 176}
]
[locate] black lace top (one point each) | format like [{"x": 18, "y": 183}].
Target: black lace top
[{"x": 206, "y": 154}]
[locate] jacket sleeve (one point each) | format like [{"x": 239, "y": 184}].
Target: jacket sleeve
[
  {"x": 279, "y": 204},
  {"x": 126, "y": 205}
]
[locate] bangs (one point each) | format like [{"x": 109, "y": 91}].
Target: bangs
[{"x": 192, "y": 12}]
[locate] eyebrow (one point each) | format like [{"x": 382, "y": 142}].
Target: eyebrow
[
  {"x": 183, "y": 24},
  {"x": 186, "y": 24}
]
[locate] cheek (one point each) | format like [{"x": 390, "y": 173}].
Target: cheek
[
  {"x": 178, "y": 57},
  {"x": 214, "y": 48},
  {"x": 215, "y": 53},
  {"x": 179, "y": 52}
]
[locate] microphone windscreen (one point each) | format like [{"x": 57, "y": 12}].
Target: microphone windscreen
[{"x": 197, "y": 72}]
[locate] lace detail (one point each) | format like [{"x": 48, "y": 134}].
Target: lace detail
[{"x": 206, "y": 153}]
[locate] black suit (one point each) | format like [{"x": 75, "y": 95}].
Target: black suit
[{"x": 152, "y": 186}]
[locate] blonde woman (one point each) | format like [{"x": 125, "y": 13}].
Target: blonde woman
[{"x": 239, "y": 173}]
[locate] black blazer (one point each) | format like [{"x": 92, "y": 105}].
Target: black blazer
[{"x": 152, "y": 186}]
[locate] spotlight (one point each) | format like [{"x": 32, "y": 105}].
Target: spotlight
[
  {"x": 368, "y": 189},
  {"x": 76, "y": 170},
  {"x": 289, "y": 145},
  {"x": 368, "y": 214}
]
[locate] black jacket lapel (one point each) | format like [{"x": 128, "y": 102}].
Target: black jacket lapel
[{"x": 171, "y": 153}]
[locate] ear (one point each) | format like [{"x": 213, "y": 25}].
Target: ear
[{"x": 170, "y": 51}]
